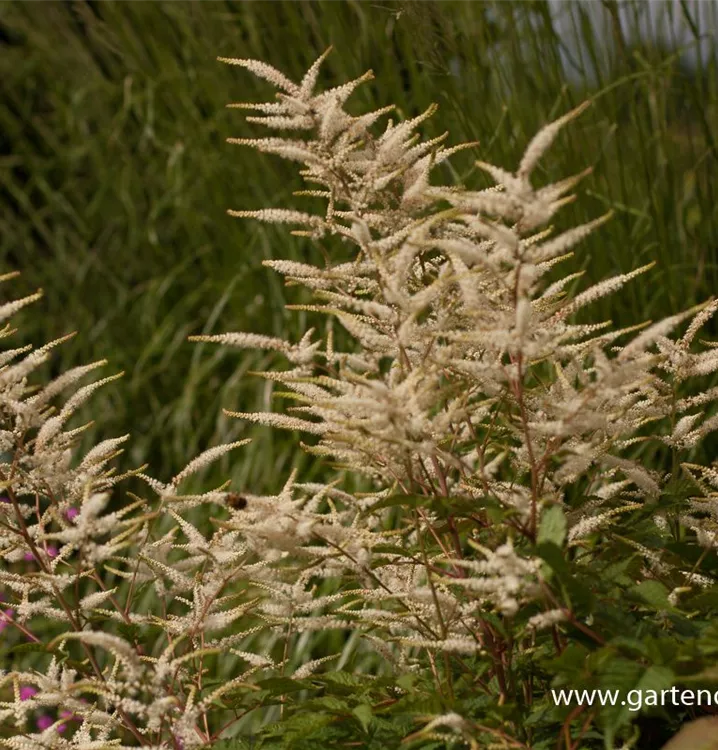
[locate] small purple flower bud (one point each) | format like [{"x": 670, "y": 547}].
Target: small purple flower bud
[
  {"x": 29, "y": 556},
  {"x": 72, "y": 513}
]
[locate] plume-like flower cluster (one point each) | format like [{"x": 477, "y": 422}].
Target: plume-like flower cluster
[
  {"x": 469, "y": 376},
  {"x": 469, "y": 385}
]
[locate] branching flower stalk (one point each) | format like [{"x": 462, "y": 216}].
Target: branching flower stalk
[
  {"x": 469, "y": 387},
  {"x": 498, "y": 437}
]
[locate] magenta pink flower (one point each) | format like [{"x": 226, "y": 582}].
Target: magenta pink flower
[
  {"x": 26, "y": 692},
  {"x": 72, "y": 513},
  {"x": 69, "y": 716},
  {"x": 51, "y": 551},
  {"x": 44, "y": 721}
]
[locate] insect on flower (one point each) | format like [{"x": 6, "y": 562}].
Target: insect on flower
[{"x": 236, "y": 501}]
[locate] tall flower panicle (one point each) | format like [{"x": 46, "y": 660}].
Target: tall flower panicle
[{"x": 469, "y": 388}]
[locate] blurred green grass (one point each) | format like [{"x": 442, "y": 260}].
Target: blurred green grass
[{"x": 115, "y": 177}]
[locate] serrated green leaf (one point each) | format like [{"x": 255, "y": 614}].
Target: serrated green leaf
[
  {"x": 406, "y": 681},
  {"x": 345, "y": 679},
  {"x": 653, "y": 593},
  {"x": 552, "y": 527},
  {"x": 552, "y": 555},
  {"x": 328, "y": 703},
  {"x": 363, "y": 714}
]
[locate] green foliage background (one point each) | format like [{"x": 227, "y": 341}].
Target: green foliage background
[{"x": 115, "y": 177}]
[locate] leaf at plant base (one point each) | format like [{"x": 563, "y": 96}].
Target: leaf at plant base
[{"x": 701, "y": 734}]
